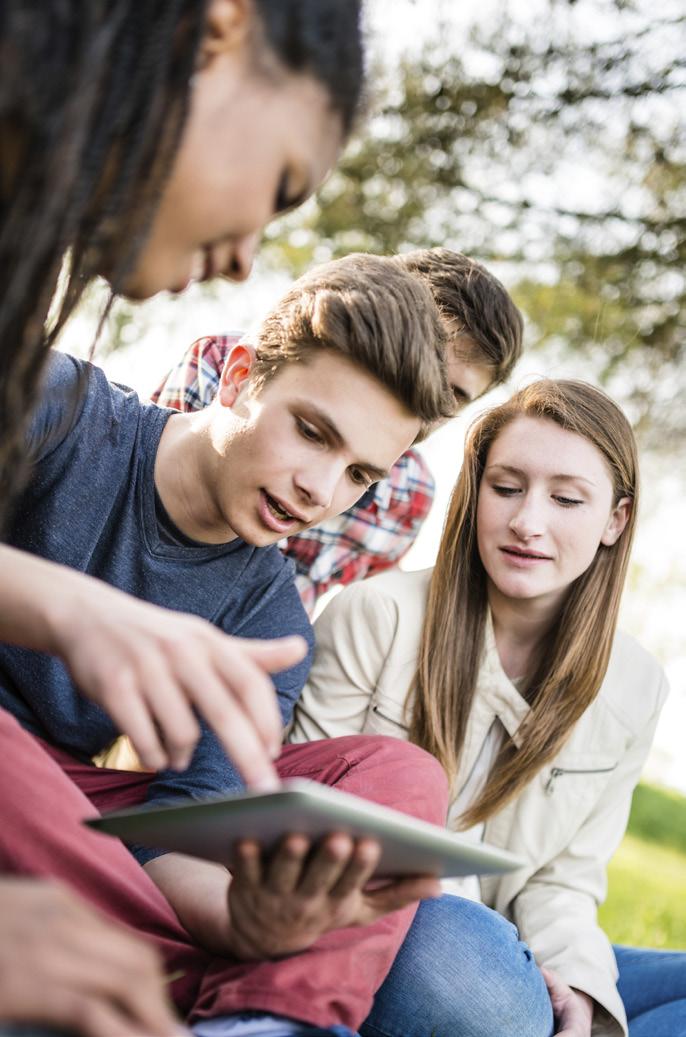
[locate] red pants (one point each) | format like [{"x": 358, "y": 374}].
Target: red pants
[{"x": 45, "y": 794}]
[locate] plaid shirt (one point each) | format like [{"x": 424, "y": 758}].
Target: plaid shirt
[{"x": 371, "y": 536}]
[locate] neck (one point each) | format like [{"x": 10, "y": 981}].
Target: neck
[
  {"x": 520, "y": 628},
  {"x": 183, "y": 479}
]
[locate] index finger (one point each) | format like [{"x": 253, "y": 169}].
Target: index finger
[{"x": 240, "y": 731}]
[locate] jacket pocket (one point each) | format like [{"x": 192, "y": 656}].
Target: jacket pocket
[{"x": 556, "y": 773}]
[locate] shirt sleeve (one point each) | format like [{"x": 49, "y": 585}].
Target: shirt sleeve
[
  {"x": 60, "y": 405},
  {"x": 193, "y": 383},
  {"x": 371, "y": 536}
]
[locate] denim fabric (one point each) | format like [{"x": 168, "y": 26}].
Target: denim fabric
[
  {"x": 461, "y": 972},
  {"x": 257, "y": 1024},
  {"x": 652, "y": 985}
]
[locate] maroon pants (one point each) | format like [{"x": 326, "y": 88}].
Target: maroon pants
[{"x": 45, "y": 794}]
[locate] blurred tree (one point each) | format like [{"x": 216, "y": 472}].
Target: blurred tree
[{"x": 556, "y": 145}]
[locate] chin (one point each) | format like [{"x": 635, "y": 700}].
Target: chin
[{"x": 519, "y": 590}]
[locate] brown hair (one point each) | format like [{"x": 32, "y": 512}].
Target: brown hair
[
  {"x": 574, "y": 663},
  {"x": 374, "y": 313},
  {"x": 473, "y": 303}
]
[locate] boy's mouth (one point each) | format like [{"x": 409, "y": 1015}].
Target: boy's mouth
[{"x": 278, "y": 510}]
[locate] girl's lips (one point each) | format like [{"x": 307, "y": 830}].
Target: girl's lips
[{"x": 524, "y": 559}]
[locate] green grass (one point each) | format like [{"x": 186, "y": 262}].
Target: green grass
[{"x": 646, "y": 904}]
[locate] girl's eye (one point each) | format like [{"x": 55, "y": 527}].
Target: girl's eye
[
  {"x": 506, "y": 491},
  {"x": 307, "y": 431},
  {"x": 567, "y": 502},
  {"x": 282, "y": 201}
]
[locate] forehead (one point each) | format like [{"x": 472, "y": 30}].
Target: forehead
[
  {"x": 374, "y": 426},
  {"x": 465, "y": 370},
  {"x": 539, "y": 446}
]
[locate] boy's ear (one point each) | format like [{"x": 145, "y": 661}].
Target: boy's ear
[{"x": 235, "y": 373}]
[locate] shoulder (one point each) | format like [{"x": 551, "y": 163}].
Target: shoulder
[
  {"x": 635, "y": 686},
  {"x": 75, "y": 397},
  {"x": 389, "y": 602}
]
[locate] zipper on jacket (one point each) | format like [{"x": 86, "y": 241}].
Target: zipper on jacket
[{"x": 557, "y": 772}]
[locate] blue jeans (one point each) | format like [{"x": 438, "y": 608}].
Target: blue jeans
[
  {"x": 652, "y": 985},
  {"x": 463, "y": 972}
]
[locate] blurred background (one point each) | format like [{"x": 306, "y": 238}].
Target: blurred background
[{"x": 546, "y": 138}]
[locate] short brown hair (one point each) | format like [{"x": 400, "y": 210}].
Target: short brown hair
[
  {"x": 371, "y": 311},
  {"x": 472, "y": 302}
]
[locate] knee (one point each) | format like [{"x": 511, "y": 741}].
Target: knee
[
  {"x": 413, "y": 779},
  {"x": 468, "y": 969}
]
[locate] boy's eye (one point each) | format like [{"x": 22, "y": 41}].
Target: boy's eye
[
  {"x": 308, "y": 431},
  {"x": 359, "y": 477}
]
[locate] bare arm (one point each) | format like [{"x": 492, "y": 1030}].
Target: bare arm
[{"x": 148, "y": 666}]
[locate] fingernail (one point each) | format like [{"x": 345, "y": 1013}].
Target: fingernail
[{"x": 266, "y": 783}]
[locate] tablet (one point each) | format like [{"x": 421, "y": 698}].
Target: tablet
[{"x": 210, "y": 829}]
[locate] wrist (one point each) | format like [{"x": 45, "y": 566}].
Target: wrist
[
  {"x": 62, "y": 607},
  {"x": 35, "y": 594},
  {"x": 586, "y": 1003},
  {"x": 198, "y": 893}
]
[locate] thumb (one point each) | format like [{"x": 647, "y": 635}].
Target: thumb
[{"x": 402, "y": 892}]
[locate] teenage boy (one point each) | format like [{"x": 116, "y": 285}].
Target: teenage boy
[
  {"x": 483, "y": 343},
  {"x": 185, "y": 511}
]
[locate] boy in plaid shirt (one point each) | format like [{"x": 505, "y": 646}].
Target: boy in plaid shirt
[{"x": 483, "y": 344}]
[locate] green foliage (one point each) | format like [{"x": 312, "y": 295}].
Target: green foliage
[
  {"x": 647, "y": 902},
  {"x": 646, "y": 906},
  {"x": 541, "y": 146},
  {"x": 659, "y": 816}
]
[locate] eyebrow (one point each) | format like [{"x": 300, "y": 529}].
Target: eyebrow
[
  {"x": 337, "y": 439},
  {"x": 564, "y": 476}
]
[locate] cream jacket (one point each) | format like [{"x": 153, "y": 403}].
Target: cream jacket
[{"x": 566, "y": 823}]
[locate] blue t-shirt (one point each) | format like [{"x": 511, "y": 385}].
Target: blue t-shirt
[{"x": 91, "y": 504}]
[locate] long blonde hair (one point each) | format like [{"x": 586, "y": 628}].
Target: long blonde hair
[{"x": 578, "y": 647}]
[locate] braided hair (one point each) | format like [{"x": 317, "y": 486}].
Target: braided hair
[{"x": 93, "y": 100}]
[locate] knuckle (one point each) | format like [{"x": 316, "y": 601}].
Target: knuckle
[{"x": 182, "y": 734}]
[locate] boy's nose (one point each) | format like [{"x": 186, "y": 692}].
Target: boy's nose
[{"x": 318, "y": 485}]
